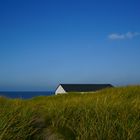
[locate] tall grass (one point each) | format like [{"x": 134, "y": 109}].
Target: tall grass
[{"x": 110, "y": 114}]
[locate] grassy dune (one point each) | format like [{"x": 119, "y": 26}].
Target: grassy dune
[{"x": 110, "y": 114}]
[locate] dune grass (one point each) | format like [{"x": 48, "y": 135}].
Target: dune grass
[{"x": 110, "y": 114}]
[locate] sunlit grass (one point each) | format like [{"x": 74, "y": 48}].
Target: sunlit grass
[{"x": 110, "y": 114}]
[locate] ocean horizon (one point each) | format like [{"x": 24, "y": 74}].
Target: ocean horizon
[{"x": 25, "y": 94}]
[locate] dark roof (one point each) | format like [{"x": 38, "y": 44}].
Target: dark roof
[{"x": 84, "y": 87}]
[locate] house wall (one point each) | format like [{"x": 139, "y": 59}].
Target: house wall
[{"x": 60, "y": 90}]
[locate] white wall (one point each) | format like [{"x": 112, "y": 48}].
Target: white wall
[{"x": 60, "y": 90}]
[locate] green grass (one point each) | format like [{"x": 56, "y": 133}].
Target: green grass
[{"x": 110, "y": 114}]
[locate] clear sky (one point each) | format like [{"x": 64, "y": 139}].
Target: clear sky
[{"x": 47, "y": 42}]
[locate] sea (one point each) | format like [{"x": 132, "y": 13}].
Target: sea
[{"x": 25, "y": 94}]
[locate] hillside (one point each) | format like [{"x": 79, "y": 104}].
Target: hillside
[{"x": 110, "y": 114}]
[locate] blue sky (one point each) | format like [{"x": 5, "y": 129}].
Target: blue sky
[{"x": 47, "y": 42}]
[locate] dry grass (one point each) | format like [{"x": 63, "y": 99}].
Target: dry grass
[{"x": 111, "y": 114}]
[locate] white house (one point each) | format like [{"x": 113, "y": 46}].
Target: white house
[
  {"x": 60, "y": 90},
  {"x": 65, "y": 88}
]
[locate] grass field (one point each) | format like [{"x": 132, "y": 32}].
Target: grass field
[{"x": 110, "y": 114}]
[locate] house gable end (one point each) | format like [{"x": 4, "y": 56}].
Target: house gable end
[{"x": 60, "y": 90}]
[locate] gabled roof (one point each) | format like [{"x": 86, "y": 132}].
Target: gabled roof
[{"x": 84, "y": 87}]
